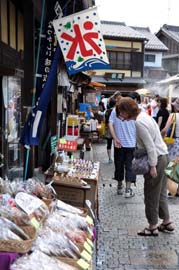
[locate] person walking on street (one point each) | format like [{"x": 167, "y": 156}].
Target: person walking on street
[
  {"x": 173, "y": 149},
  {"x": 124, "y": 139},
  {"x": 154, "y": 106},
  {"x": 155, "y": 181},
  {"x": 163, "y": 113},
  {"x": 108, "y": 135}
]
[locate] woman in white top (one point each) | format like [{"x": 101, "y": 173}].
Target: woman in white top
[
  {"x": 173, "y": 149},
  {"x": 155, "y": 184}
]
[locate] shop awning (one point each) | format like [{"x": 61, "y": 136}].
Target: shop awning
[{"x": 97, "y": 84}]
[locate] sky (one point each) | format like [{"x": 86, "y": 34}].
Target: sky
[{"x": 142, "y": 13}]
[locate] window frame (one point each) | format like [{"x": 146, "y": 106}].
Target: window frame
[{"x": 150, "y": 58}]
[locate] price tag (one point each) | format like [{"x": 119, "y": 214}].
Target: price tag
[
  {"x": 34, "y": 222},
  {"x": 83, "y": 264},
  {"x": 88, "y": 248},
  {"x": 90, "y": 242},
  {"x": 89, "y": 220},
  {"x": 86, "y": 255},
  {"x": 62, "y": 141}
]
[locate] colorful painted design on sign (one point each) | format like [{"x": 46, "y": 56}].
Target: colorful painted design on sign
[{"x": 81, "y": 41}]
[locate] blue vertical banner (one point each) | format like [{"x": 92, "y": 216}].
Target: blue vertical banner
[{"x": 32, "y": 128}]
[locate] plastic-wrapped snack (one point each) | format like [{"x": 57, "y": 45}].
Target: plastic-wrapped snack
[
  {"x": 39, "y": 260},
  {"x": 77, "y": 236},
  {"x": 14, "y": 214},
  {"x": 73, "y": 220},
  {"x": 66, "y": 207},
  {"x": 39, "y": 189},
  {"x": 55, "y": 244},
  {"x": 7, "y": 234},
  {"x": 13, "y": 227},
  {"x": 11, "y": 188}
]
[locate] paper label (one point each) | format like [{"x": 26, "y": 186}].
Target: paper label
[
  {"x": 62, "y": 141},
  {"x": 89, "y": 220},
  {"x": 83, "y": 264},
  {"x": 27, "y": 202},
  {"x": 86, "y": 255},
  {"x": 88, "y": 248},
  {"x": 34, "y": 222},
  {"x": 90, "y": 242}
]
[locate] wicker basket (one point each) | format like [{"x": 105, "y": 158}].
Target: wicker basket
[{"x": 19, "y": 246}]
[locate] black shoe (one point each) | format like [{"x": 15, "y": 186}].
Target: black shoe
[
  {"x": 170, "y": 195},
  {"x": 120, "y": 188}
]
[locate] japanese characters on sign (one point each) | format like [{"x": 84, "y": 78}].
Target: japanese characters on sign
[
  {"x": 49, "y": 54},
  {"x": 81, "y": 41},
  {"x": 67, "y": 145}
]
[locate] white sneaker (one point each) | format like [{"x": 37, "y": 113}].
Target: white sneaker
[{"x": 129, "y": 193}]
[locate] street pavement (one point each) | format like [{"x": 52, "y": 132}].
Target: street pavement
[{"x": 118, "y": 246}]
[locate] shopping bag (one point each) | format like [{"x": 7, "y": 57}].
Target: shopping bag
[
  {"x": 102, "y": 129},
  {"x": 140, "y": 165},
  {"x": 172, "y": 170},
  {"x": 170, "y": 136}
]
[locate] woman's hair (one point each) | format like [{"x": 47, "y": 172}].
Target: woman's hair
[
  {"x": 129, "y": 106},
  {"x": 112, "y": 103},
  {"x": 163, "y": 103},
  {"x": 102, "y": 105}
]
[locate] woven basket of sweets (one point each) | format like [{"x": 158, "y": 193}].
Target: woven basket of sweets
[{"x": 19, "y": 246}]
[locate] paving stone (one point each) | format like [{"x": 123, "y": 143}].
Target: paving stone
[{"x": 118, "y": 245}]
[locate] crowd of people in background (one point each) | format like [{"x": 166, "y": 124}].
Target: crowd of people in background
[{"x": 141, "y": 121}]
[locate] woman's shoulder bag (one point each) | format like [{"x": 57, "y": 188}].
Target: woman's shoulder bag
[{"x": 170, "y": 136}]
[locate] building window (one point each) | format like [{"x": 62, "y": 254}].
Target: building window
[
  {"x": 4, "y": 28},
  {"x": 126, "y": 60},
  {"x": 20, "y": 32},
  {"x": 119, "y": 60},
  {"x": 150, "y": 58},
  {"x": 12, "y": 27}
]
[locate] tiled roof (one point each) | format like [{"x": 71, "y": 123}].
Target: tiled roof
[
  {"x": 120, "y": 30},
  {"x": 153, "y": 42},
  {"x": 172, "y": 31}
]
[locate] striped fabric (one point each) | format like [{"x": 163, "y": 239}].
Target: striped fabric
[{"x": 125, "y": 130}]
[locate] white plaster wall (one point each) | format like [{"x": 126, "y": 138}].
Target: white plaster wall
[{"x": 158, "y": 60}]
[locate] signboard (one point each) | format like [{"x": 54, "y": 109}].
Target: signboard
[
  {"x": 81, "y": 41},
  {"x": 115, "y": 75},
  {"x": 67, "y": 145}
]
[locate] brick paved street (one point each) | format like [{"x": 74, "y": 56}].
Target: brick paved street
[{"x": 118, "y": 246}]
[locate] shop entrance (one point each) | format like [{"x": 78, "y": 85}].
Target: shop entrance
[{"x": 10, "y": 125}]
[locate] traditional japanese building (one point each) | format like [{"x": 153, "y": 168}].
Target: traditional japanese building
[
  {"x": 169, "y": 35},
  {"x": 125, "y": 48},
  {"x": 20, "y": 25}
]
